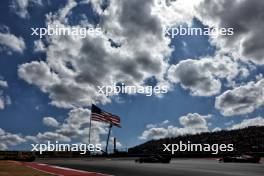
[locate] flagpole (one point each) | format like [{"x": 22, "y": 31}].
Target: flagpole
[
  {"x": 108, "y": 136},
  {"x": 90, "y": 128}
]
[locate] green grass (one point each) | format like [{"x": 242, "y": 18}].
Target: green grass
[{"x": 13, "y": 168}]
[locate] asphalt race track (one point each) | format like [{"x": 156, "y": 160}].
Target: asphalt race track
[{"x": 177, "y": 167}]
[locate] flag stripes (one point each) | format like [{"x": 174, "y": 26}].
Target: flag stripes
[{"x": 100, "y": 115}]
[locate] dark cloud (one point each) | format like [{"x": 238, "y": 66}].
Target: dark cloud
[
  {"x": 247, "y": 19},
  {"x": 135, "y": 17}
]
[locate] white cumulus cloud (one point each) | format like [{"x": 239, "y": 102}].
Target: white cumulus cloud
[
  {"x": 192, "y": 124},
  {"x": 241, "y": 100},
  {"x": 10, "y": 41},
  {"x": 50, "y": 121},
  {"x": 257, "y": 121}
]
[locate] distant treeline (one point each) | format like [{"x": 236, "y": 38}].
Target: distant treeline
[{"x": 246, "y": 141}]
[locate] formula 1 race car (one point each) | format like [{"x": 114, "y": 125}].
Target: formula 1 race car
[
  {"x": 154, "y": 159},
  {"x": 240, "y": 159},
  {"x": 17, "y": 156}
]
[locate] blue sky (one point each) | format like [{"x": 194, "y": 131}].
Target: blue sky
[{"x": 29, "y": 104}]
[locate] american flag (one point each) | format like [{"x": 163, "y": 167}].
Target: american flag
[{"x": 100, "y": 115}]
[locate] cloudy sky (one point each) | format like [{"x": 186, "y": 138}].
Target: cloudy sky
[{"x": 47, "y": 85}]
